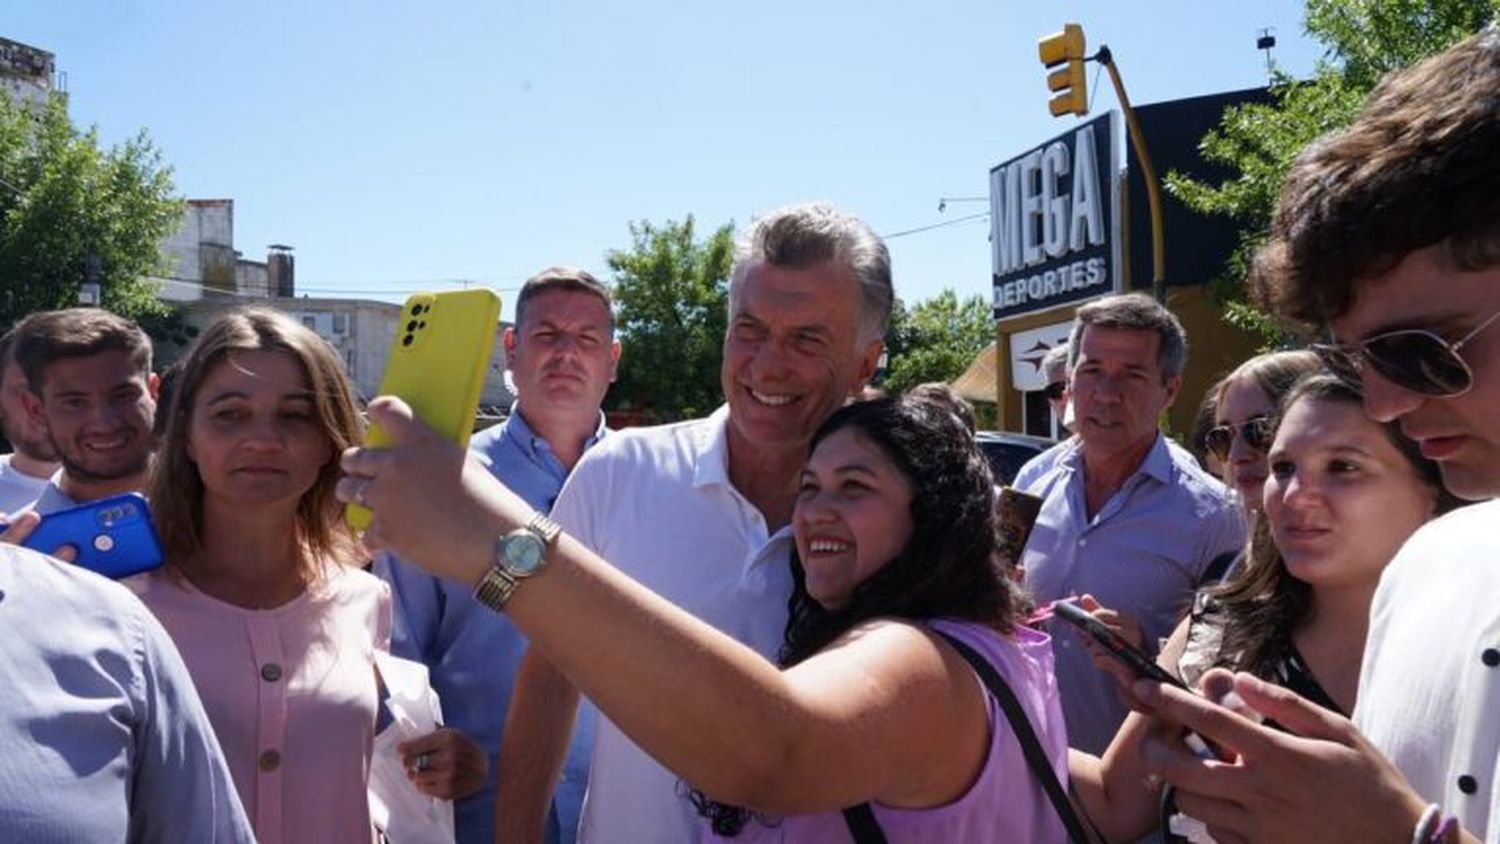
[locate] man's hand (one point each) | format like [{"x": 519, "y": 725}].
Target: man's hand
[
  {"x": 444, "y": 763},
  {"x": 432, "y": 504},
  {"x": 1321, "y": 782},
  {"x": 18, "y": 530},
  {"x": 1129, "y": 628}
]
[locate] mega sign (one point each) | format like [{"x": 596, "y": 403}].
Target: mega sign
[{"x": 1053, "y": 213}]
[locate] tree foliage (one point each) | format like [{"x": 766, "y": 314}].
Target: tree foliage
[
  {"x": 935, "y": 340},
  {"x": 71, "y": 211},
  {"x": 1363, "y": 40},
  {"x": 671, "y": 293}
]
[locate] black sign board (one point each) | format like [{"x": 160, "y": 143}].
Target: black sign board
[{"x": 1053, "y": 219}]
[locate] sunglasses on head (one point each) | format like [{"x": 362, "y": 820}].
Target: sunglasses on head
[
  {"x": 1411, "y": 358},
  {"x": 1255, "y": 431},
  {"x": 1055, "y": 390}
]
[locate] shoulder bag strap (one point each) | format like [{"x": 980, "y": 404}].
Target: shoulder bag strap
[
  {"x": 1036, "y": 757},
  {"x": 862, "y": 825}
]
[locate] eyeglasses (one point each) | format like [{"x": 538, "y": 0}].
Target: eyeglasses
[
  {"x": 1411, "y": 358},
  {"x": 1055, "y": 390},
  {"x": 1255, "y": 431}
]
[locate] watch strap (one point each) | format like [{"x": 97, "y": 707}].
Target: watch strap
[{"x": 499, "y": 583}]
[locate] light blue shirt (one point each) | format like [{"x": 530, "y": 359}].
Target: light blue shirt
[
  {"x": 1144, "y": 553},
  {"x": 473, "y": 652},
  {"x": 104, "y": 736}
]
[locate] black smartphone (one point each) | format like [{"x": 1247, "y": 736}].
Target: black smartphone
[{"x": 1115, "y": 645}]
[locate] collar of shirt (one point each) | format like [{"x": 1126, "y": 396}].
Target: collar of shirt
[
  {"x": 536, "y": 448},
  {"x": 713, "y": 459},
  {"x": 1156, "y": 465}
]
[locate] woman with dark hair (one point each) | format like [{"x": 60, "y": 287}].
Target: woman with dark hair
[
  {"x": 895, "y": 533},
  {"x": 1342, "y": 494}
]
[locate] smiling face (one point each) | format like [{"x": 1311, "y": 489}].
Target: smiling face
[
  {"x": 1340, "y": 499},
  {"x": 563, "y": 355},
  {"x": 1118, "y": 389},
  {"x": 792, "y": 354},
  {"x": 254, "y": 431},
  {"x": 97, "y": 411},
  {"x": 853, "y": 515},
  {"x": 1428, "y": 290},
  {"x": 1245, "y": 467}
]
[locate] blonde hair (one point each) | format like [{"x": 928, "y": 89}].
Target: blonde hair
[{"x": 176, "y": 488}]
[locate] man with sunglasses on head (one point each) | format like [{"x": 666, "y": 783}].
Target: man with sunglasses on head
[{"x": 1388, "y": 234}]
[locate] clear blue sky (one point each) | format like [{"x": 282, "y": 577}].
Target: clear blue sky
[{"x": 403, "y": 145}]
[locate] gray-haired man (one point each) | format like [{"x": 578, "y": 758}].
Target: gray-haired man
[{"x": 699, "y": 511}]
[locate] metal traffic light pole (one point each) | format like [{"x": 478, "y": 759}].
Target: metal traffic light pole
[
  {"x": 1148, "y": 175},
  {"x": 1065, "y": 50}
]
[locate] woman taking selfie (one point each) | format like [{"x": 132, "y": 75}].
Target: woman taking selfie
[
  {"x": 1342, "y": 493},
  {"x": 894, "y": 528},
  {"x": 262, "y": 591}
]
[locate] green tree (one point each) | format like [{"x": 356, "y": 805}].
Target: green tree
[
  {"x": 671, "y": 291},
  {"x": 1364, "y": 39},
  {"x": 935, "y": 340},
  {"x": 71, "y": 211}
]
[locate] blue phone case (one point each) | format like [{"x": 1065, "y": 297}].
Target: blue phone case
[{"x": 114, "y": 536}]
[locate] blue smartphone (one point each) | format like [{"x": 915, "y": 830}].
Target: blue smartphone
[{"x": 114, "y": 536}]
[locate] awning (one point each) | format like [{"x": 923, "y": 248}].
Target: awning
[{"x": 978, "y": 382}]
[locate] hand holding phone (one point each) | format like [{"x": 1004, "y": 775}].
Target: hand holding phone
[
  {"x": 1131, "y": 657},
  {"x": 112, "y": 536},
  {"x": 437, "y": 364},
  {"x": 1114, "y": 644}
]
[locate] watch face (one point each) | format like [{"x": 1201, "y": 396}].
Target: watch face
[{"x": 522, "y": 552}]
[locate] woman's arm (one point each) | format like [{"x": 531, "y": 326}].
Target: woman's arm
[
  {"x": 1114, "y": 788},
  {"x": 884, "y": 713}
]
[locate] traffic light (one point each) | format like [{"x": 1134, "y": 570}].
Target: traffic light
[{"x": 1063, "y": 52}]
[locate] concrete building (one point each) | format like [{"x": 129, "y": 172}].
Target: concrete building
[
  {"x": 28, "y": 74},
  {"x": 203, "y": 260}
]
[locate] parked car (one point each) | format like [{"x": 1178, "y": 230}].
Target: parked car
[{"x": 1008, "y": 452}]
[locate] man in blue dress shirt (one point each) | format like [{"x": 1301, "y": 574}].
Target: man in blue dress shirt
[
  {"x": 562, "y": 355},
  {"x": 1127, "y": 516}
]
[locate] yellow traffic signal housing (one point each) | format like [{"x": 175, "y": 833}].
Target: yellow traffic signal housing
[
  {"x": 1073, "y": 95},
  {"x": 1067, "y": 49}
]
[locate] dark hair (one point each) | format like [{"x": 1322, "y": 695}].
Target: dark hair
[
  {"x": 7, "y": 341},
  {"x": 1138, "y": 312},
  {"x": 44, "y": 338},
  {"x": 948, "y": 568},
  {"x": 1263, "y": 604},
  {"x": 570, "y": 279},
  {"x": 937, "y": 391},
  {"x": 1418, "y": 167}
]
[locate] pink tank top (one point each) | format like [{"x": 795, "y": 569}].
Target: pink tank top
[{"x": 1006, "y": 803}]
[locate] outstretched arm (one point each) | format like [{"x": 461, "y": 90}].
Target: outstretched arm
[{"x": 878, "y": 715}]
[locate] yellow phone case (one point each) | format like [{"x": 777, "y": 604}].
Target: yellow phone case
[{"x": 437, "y": 364}]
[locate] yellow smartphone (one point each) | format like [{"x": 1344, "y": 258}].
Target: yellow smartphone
[{"x": 437, "y": 364}]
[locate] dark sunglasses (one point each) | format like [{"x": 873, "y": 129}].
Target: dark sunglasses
[
  {"x": 1411, "y": 358},
  {"x": 1055, "y": 390},
  {"x": 1255, "y": 431}
]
